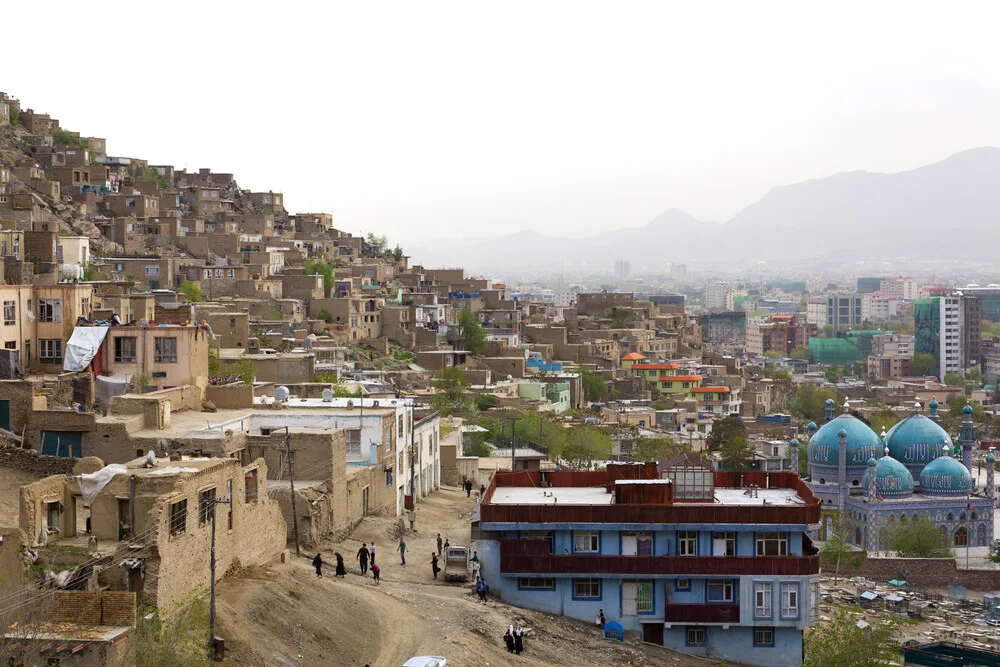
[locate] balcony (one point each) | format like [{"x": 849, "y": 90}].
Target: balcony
[
  {"x": 528, "y": 557},
  {"x": 701, "y": 613}
]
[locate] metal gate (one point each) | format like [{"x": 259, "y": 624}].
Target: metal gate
[{"x": 629, "y": 598}]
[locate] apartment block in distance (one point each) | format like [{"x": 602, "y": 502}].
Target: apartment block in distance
[{"x": 714, "y": 564}]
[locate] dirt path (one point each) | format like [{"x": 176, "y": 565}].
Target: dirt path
[{"x": 284, "y": 615}]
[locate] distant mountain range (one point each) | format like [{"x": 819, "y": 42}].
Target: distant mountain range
[{"x": 951, "y": 207}]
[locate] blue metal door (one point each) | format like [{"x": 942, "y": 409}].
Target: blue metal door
[{"x": 62, "y": 443}]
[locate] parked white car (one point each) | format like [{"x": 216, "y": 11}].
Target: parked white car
[{"x": 426, "y": 661}]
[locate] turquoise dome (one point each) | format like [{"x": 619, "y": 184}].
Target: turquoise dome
[
  {"x": 892, "y": 479},
  {"x": 945, "y": 476},
  {"x": 967, "y": 409},
  {"x": 862, "y": 443},
  {"x": 916, "y": 441}
]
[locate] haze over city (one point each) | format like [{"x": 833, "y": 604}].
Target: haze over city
[{"x": 431, "y": 120}]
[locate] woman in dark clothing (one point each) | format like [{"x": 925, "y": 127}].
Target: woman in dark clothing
[
  {"x": 434, "y": 564},
  {"x": 341, "y": 570},
  {"x": 318, "y": 564},
  {"x": 508, "y": 639},
  {"x": 518, "y": 640}
]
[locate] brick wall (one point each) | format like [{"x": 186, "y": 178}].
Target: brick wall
[
  {"x": 30, "y": 461},
  {"x": 93, "y": 608},
  {"x": 923, "y": 572}
]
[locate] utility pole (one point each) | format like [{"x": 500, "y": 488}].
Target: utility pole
[
  {"x": 413, "y": 494},
  {"x": 212, "y": 502},
  {"x": 513, "y": 440},
  {"x": 291, "y": 481}
]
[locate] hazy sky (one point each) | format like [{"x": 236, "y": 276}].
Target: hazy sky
[{"x": 431, "y": 119}]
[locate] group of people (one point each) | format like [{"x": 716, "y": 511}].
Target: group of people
[
  {"x": 318, "y": 564},
  {"x": 514, "y": 639},
  {"x": 467, "y": 485}
]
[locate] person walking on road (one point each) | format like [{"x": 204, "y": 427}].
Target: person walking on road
[
  {"x": 439, "y": 544},
  {"x": 518, "y": 640},
  {"x": 318, "y": 564},
  {"x": 362, "y": 558},
  {"x": 468, "y": 489},
  {"x": 375, "y": 573},
  {"x": 508, "y": 639},
  {"x": 371, "y": 552},
  {"x": 601, "y": 620},
  {"x": 446, "y": 544},
  {"x": 434, "y": 564},
  {"x": 481, "y": 589},
  {"x": 402, "y": 551},
  {"x": 341, "y": 570}
]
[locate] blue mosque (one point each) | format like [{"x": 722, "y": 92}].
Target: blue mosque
[{"x": 916, "y": 473}]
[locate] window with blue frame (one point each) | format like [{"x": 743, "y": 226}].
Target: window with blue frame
[
  {"x": 721, "y": 590},
  {"x": 644, "y": 597},
  {"x": 790, "y": 600},
  {"x": 682, "y": 584},
  {"x": 586, "y": 542},
  {"x": 762, "y": 599},
  {"x": 536, "y": 583},
  {"x": 763, "y": 637},
  {"x": 687, "y": 543},
  {"x": 695, "y": 637},
  {"x": 587, "y": 589},
  {"x": 388, "y": 477}
]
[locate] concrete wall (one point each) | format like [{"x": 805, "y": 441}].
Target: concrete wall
[{"x": 230, "y": 396}]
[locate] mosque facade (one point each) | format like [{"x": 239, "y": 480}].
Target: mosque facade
[{"x": 916, "y": 473}]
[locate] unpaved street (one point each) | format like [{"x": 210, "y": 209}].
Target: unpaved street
[{"x": 284, "y": 615}]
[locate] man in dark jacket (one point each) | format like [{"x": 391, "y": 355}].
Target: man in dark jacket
[{"x": 363, "y": 557}]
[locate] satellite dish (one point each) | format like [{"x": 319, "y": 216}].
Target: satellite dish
[
  {"x": 327, "y": 395},
  {"x": 281, "y": 393}
]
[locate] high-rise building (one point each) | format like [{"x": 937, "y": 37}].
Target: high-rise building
[
  {"x": 678, "y": 271},
  {"x": 948, "y": 327},
  {"x": 715, "y": 295},
  {"x": 623, "y": 269},
  {"x": 900, "y": 288},
  {"x": 869, "y": 285},
  {"x": 843, "y": 310}
]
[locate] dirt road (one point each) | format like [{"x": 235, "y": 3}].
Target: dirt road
[{"x": 285, "y": 615}]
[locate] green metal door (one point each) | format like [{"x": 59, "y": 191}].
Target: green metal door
[{"x": 62, "y": 443}]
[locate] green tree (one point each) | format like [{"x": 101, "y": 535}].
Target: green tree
[
  {"x": 535, "y": 427},
  {"x": 809, "y": 402},
  {"x": 191, "y": 291},
  {"x": 486, "y": 401},
  {"x": 923, "y": 364},
  {"x": 153, "y": 176},
  {"x": 15, "y": 116},
  {"x": 800, "y": 353},
  {"x": 473, "y": 335},
  {"x": 452, "y": 382},
  {"x": 214, "y": 364},
  {"x": 859, "y": 369},
  {"x": 836, "y": 550},
  {"x": 842, "y": 642},
  {"x": 772, "y": 354},
  {"x": 594, "y": 388},
  {"x": 63, "y": 138},
  {"x": 834, "y": 374},
  {"x": 884, "y": 419},
  {"x": 177, "y": 640},
  {"x": 380, "y": 243},
  {"x": 325, "y": 315},
  {"x": 89, "y": 272},
  {"x": 736, "y": 453},
  {"x": 586, "y": 444},
  {"x": 724, "y": 430},
  {"x": 397, "y": 253},
  {"x": 658, "y": 449},
  {"x": 827, "y": 331},
  {"x": 313, "y": 267},
  {"x": 244, "y": 368},
  {"x": 919, "y": 539}
]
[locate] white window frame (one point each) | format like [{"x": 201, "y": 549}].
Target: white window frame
[
  {"x": 762, "y": 599},
  {"x": 586, "y": 541},
  {"x": 776, "y": 542},
  {"x": 353, "y": 436},
  {"x": 9, "y": 313},
  {"x": 50, "y": 351},
  {"x": 687, "y": 543},
  {"x": 725, "y": 594},
  {"x": 162, "y": 352},
  {"x": 50, "y": 310},
  {"x": 789, "y": 599}
]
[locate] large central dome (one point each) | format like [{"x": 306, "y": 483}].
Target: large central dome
[
  {"x": 862, "y": 443},
  {"x": 916, "y": 441}
]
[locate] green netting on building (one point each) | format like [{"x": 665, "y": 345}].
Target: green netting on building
[
  {"x": 738, "y": 302},
  {"x": 862, "y": 339},
  {"x": 927, "y": 327},
  {"x": 838, "y": 351}
]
